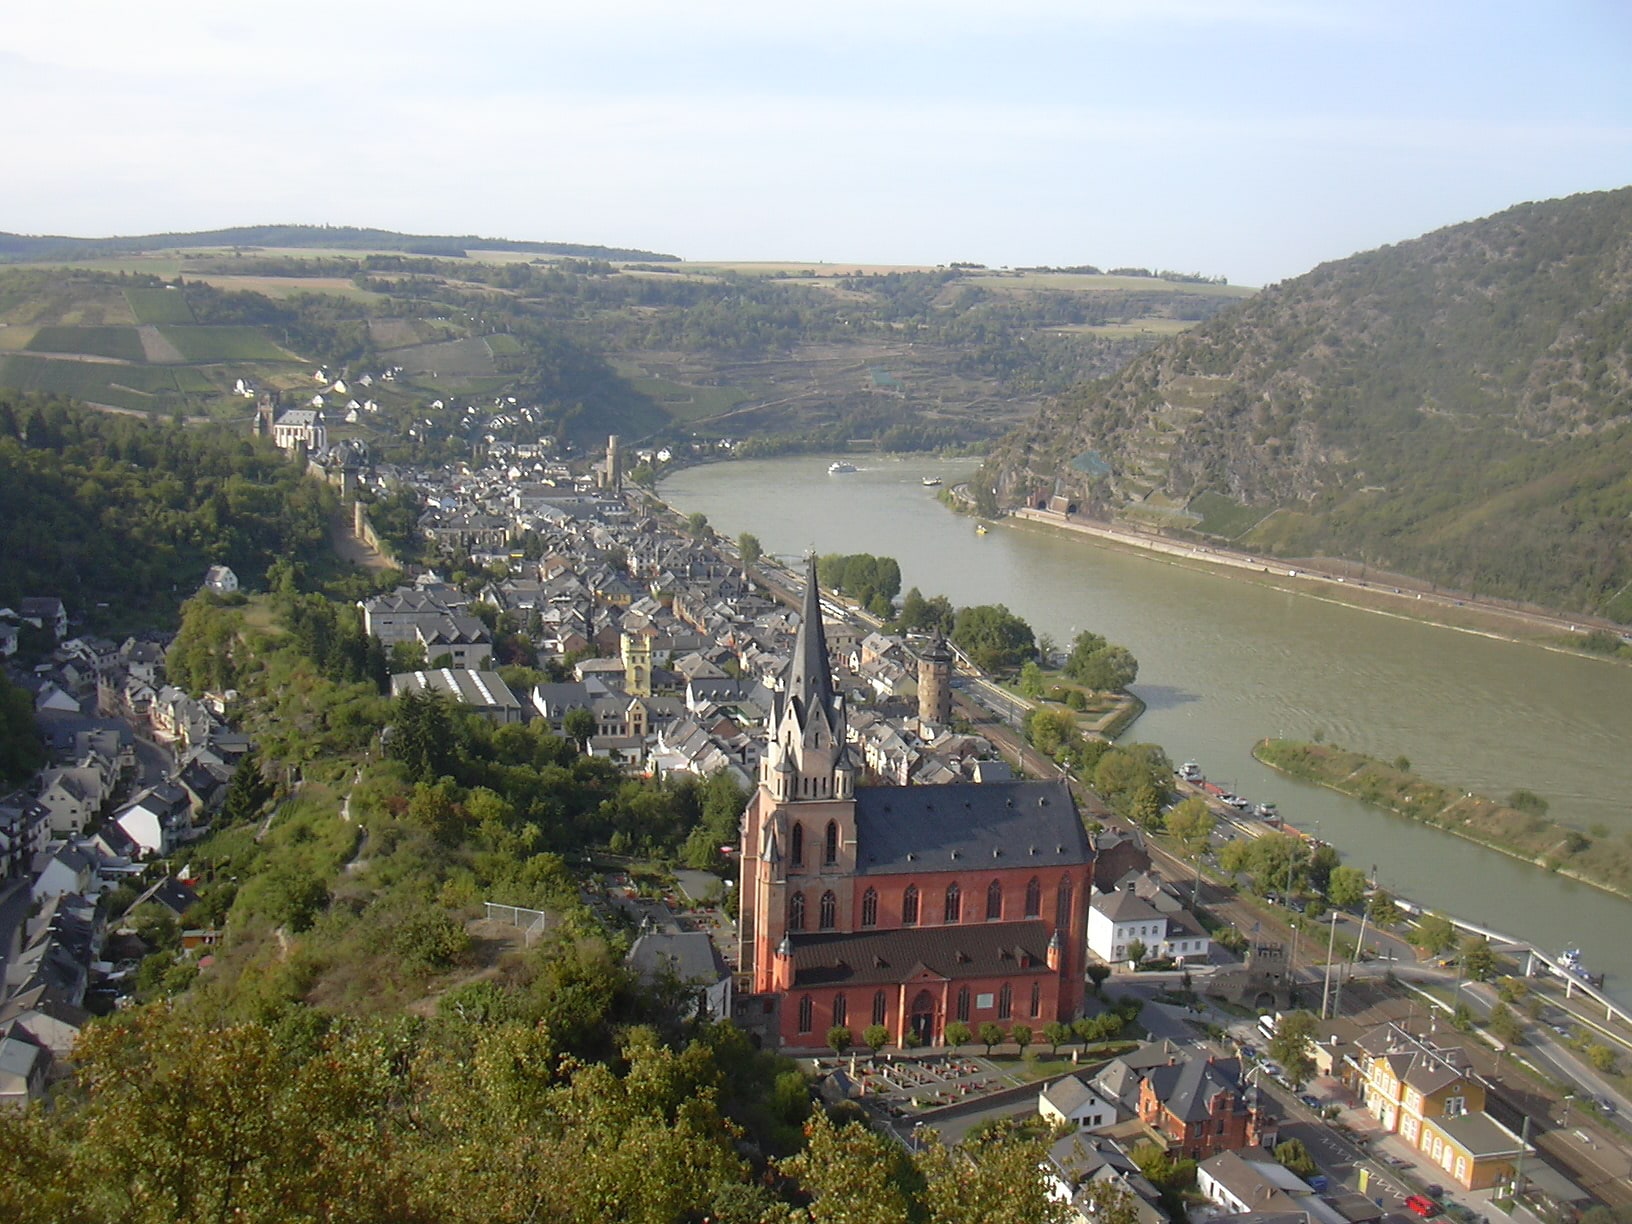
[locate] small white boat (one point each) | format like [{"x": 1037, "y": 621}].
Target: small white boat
[
  {"x": 980, "y": 528},
  {"x": 932, "y": 482},
  {"x": 1266, "y": 811},
  {"x": 840, "y": 467},
  {"x": 1190, "y": 771}
]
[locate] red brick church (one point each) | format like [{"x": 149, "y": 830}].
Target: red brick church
[{"x": 906, "y": 906}]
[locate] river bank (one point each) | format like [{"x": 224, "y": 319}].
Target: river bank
[
  {"x": 1525, "y": 835},
  {"x": 1465, "y": 614}
]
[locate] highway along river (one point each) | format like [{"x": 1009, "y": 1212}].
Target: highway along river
[{"x": 1223, "y": 662}]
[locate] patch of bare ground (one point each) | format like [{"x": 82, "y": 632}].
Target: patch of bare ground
[
  {"x": 156, "y": 348},
  {"x": 495, "y": 953}
]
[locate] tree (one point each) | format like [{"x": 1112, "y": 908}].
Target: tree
[
  {"x": 877, "y": 1036},
  {"x": 580, "y": 726},
  {"x": 991, "y": 1033},
  {"x": 1294, "y": 1156},
  {"x": 1383, "y": 911},
  {"x": 1137, "y": 951},
  {"x": 995, "y": 638},
  {"x": 1097, "y": 974},
  {"x": 750, "y": 548},
  {"x": 1021, "y": 1035},
  {"x": 1346, "y": 887},
  {"x": 1098, "y": 665},
  {"x": 1110, "y": 1202},
  {"x": 839, "y": 1038},
  {"x": 957, "y": 1033},
  {"x": 1434, "y": 933},
  {"x": 1293, "y": 1045},
  {"x": 1056, "y": 1033},
  {"x": 1506, "y": 1025},
  {"x": 1192, "y": 823},
  {"x": 22, "y": 753},
  {"x": 1478, "y": 959},
  {"x": 1032, "y": 683},
  {"x": 697, "y": 524}
]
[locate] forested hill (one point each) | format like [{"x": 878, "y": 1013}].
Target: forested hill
[
  {"x": 1457, "y": 407},
  {"x": 323, "y": 237}
]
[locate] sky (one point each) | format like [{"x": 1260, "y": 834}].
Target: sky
[{"x": 1251, "y": 139}]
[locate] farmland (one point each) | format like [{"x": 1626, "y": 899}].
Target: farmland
[
  {"x": 158, "y": 306},
  {"x": 116, "y": 343},
  {"x": 228, "y": 343}
]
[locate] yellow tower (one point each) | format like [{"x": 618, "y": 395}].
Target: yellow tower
[{"x": 637, "y": 664}]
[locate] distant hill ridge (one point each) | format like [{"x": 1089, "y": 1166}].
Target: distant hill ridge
[
  {"x": 18, "y": 247},
  {"x": 1457, "y": 407}
]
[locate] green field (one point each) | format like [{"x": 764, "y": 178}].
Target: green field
[
  {"x": 450, "y": 358},
  {"x": 123, "y": 386},
  {"x": 118, "y": 342},
  {"x": 502, "y": 345},
  {"x": 687, "y": 403},
  {"x": 1222, "y": 517},
  {"x": 158, "y": 306},
  {"x": 223, "y": 344}
]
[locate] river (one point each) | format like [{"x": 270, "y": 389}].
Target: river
[{"x": 1223, "y": 662}]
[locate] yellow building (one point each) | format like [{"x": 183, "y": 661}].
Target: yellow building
[{"x": 1431, "y": 1096}]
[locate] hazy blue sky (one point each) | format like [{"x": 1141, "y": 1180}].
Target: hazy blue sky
[{"x": 1249, "y": 138}]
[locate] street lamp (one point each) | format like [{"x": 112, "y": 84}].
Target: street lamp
[{"x": 1568, "y": 1097}]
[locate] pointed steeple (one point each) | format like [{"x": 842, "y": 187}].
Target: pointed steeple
[{"x": 810, "y": 678}]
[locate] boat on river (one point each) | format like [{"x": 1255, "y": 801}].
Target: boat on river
[
  {"x": 980, "y": 528},
  {"x": 932, "y": 482},
  {"x": 1190, "y": 771},
  {"x": 839, "y": 467},
  {"x": 1570, "y": 961}
]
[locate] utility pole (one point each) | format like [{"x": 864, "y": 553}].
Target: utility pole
[{"x": 1331, "y": 946}]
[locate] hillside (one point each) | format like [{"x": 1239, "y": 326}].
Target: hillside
[
  {"x": 783, "y": 356},
  {"x": 16, "y": 247},
  {"x": 1457, "y": 408}
]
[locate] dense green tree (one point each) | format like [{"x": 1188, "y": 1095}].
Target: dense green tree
[
  {"x": 1191, "y": 822},
  {"x": 1293, "y": 1045},
  {"x": 580, "y": 726},
  {"x": 993, "y": 637},
  {"x": 22, "y": 753},
  {"x": 1294, "y": 1156},
  {"x": 1434, "y": 933},
  {"x": 1478, "y": 958},
  {"x": 1098, "y": 664},
  {"x": 750, "y": 549},
  {"x": 1346, "y": 887}
]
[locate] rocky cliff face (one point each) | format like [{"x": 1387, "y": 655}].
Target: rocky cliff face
[{"x": 1458, "y": 406}]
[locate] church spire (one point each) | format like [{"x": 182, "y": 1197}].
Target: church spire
[{"x": 810, "y": 677}]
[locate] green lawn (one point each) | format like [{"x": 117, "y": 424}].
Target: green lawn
[
  {"x": 119, "y": 342},
  {"x": 159, "y": 306},
  {"x": 223, "y": 344}
]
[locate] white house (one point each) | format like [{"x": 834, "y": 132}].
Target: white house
[
  {"x": 1071, "y": 1101},
  {"x": 1119, "y": 919},
  {"x": 221, "y": 580}
]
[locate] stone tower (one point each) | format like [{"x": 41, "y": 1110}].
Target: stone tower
[
  {"x": 935, "y": 683},
  {"x": 637, "y": 664},
  {"x": 265, "y": 412},
  {"x": 612, "y": 477}
]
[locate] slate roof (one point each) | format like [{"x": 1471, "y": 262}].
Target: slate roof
[
  {"x": 689, "y": 954},
  {"x": 904, "y": 829},
  {"x": 1482, "y": 1135},
  {"x": 971, "y": 950},
  {"x": 1186, "y": 1088}
]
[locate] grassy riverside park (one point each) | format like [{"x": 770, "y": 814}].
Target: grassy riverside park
[{"x": 1523, "y": 832}]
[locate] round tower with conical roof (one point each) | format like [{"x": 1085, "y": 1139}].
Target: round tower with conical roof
[{"x": 935, "y": 683}]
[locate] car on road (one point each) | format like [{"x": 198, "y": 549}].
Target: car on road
[
  {"x": 1422, "y": 1205},
  {"x": 1434, "y": 1191},
  {"x": 1396, "y": 1162},
  {"x": 1271, "y": 1069},
  {"x": 1310, "y": 1102}
]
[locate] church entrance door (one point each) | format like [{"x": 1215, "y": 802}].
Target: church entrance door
[{"x": 923, "y": 1017}]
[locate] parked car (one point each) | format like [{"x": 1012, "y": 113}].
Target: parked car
[
  {"x": 1310, "y": 1102},
  {"x": 1422, "y": 1205},
  {"x": 1434, "y": 1191}
]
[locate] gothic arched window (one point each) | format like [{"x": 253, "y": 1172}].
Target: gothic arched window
[
  {"x": 806, "y": 1014},
  {"x": 963, "y": 1002},
  {"x": 869, "y": 908},
  {"x": 1005, "y": 1002},
  {"x": 1036, "y": 999},
  {"x": 878, "y": 1007},
  {"x": 1062, "y": 915},
  {"x": 954, "y": 902},
  {"x": 796, "y": 912},
  {"x": 841, "y": 1010},
  {"x": 994, "y": 900},
  {"x": 909, "y": 906},
  {"x": 830, "y": 848},
  {"x": 1034, "y": 898},
  {"x": 797, "y": 845},
  {"x": 829, "y": 915}
]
